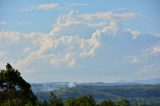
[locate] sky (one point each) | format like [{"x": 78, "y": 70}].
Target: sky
[{"x": 81, "y": 41}]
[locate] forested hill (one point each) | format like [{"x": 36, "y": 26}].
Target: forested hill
[
  {"x": 50, "y": 86},
  {"x": 144, "y": 92}
]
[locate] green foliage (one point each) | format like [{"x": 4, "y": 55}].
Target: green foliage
[
  {"x": 54, "y": 101},
  {"x": 114, "y": 92},
  {"x": 81, "y": 101},
  {"x": 29, "y": 104},
  {"x": 122, "y": 102},
  {"x": 71, "y": 102},
  {"x": 86, "y": 101},
  {"x": 14, "y": 90},
  {"x": 134, "y": 102},
  {"x": 107, "y": 103},
  {"x": 44, "y": 103}
]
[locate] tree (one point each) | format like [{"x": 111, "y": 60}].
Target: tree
[
  {"x": 54, "y": 101},
  {"x": 71, "y": 102},
  {"x": 122, "y": 102},
  {"x": 141, "y": 103},
  {"x": 86, "y": 101},
  {"x": 42, "y": 103},
  {"x": 134, "y": 102},
  {"x": 14, "y": 90},
  {"x": 106, "y": 103}
]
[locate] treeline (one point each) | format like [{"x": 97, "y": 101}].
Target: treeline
[
  {"x": 82, "y": 101},
  {"x": 86, "y": 101},
  {"x": 15, "y": 91}
]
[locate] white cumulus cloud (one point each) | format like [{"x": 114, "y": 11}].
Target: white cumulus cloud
[{"x": 61, "y": 47}]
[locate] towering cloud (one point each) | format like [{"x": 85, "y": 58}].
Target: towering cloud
[{"x": 60, "y": 45}]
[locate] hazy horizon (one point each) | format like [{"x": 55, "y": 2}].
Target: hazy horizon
[{"x": 81, "y": 41}]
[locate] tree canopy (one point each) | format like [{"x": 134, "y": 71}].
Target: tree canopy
[{"x": 13, "y": 88}]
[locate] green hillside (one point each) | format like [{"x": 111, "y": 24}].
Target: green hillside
[{"x": 140, "y": 92}]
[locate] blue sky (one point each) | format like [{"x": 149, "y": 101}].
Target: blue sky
[{"x": 81, "y": 41}]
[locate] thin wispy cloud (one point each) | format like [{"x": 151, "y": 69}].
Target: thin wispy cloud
[
  {"x": 46, "y": 6},
  {"x": 148, "y": 70},
  {"x": 134, "y": 33},
  {"x": 24, "y": 23},
  {"x": 153, "y": 34},
  {"x": 4, "y": 53},
  {"x": 145, "y": 54},
  {"x": 10, "y": 36},
  {"x": 3, "y": 22},
  {"x": 153, "y": 50},
  {"x": 42, "y": 7},
  {"x": 26, "y": 50},
  {"x": 119, "y": 9},
  {"x": 77, "y": 4}
]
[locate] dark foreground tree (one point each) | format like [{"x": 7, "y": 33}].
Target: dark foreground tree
[
  {"x": 122, "y": 102},
  {"x": 86, "y": 101},
  {"x": 71, "y": 102},
  {"x": 14, "y": 90},
  {"x": 107, "y": 103},
  {"x": 81, "y": 101},
  {"x": 54, "y": 100}
]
